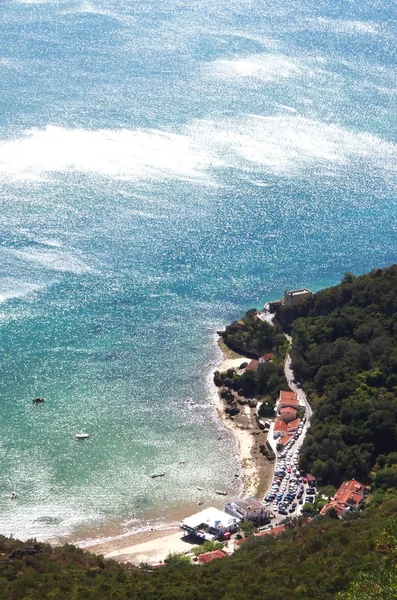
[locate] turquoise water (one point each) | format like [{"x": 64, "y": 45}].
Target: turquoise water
[{"x": 164, "y": 166}]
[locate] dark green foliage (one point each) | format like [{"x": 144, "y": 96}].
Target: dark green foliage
[
  {"x": 345, "y": 354},
  {"x": 267, "y": 381},
  {"x": 312, "y": 561},
  {"x": 254, "y": 337}
]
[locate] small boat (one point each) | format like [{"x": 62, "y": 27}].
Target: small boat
[
  {"x": 82, "y": 436},
  {"x": 200, "y": 488},
  {"x": 13, "y": 495},
  {"x": 38, "y": 400},
  {"x": 220, "y": 493},
  {"x": 153, "y": 475}
]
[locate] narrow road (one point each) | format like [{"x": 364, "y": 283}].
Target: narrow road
[{"x": 295, "y": 387}]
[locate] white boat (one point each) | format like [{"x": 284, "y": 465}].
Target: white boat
[
  {"x": 153, "y": 475},
  {"x": 13, "y": 495},
  {"x": 82, "y": 436}
]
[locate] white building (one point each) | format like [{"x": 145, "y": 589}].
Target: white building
[
  {"x": 247, "y": 509},
  {"x": 209, "y": 524}
]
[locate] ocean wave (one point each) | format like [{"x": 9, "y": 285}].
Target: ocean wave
[
  {"x": 53, "y": 260},
  {"x": 283, "y": 144},
  {"x": 14, "y": 288}
]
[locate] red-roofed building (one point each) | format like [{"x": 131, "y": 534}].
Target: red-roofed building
[
  {"x": 274, "y": 531},
  {"x": 209, "y": 556},
  {"x": 311, "y": 480},
  {"x": 252, "y": 366},
  {"x": 349, "y": 497},
  {"x": 293, "y": 425},
  {"x": 266, "y": 357},
  {"x": 288, "y": 399},
  {"x": 287, "y": 414},
  {"x": 285, "y": 439},
  {"x": 280, "y": 429}
]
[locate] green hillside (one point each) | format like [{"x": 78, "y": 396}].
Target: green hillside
[{"x": 344, "y": 353}]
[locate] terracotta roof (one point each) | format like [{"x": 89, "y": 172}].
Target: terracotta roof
[
  {"x": 293, "y": 424},
  {"x": 287, "y": 409},
  {"x": 274, "y": 531},
  {"x": 350, "y": 492},
  {"x": 310, "y": 477},
  {"x": 338, "y": 506},
  {"x": 287, "y": 396},
  {"x": 280, "y": 426},
  {"x": 208, "y": 556},
  {"x": 269, "y": 356},
  {"x": 285, "y": 439},
  {"x": 252, "y": 366}
]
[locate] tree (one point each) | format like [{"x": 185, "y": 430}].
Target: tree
[
  {"x": 174, "y": 558},
  {"x": 208, "y": 546},
  {"x": 248, "y": 528}
]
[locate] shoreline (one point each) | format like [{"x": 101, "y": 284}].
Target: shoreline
[
  {"x": 152, "y": 544},
  {"x": 257, "y": 469}
]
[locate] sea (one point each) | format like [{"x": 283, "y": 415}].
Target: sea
[{"x": 165, "y": 166}]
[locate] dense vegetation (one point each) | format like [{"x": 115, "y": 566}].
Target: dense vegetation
[
  {"x": 315, "y": 561},
  {"x": 252, "y": 337},
  {"x": 345, "y": 355}
]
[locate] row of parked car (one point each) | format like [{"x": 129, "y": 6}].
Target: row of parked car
[{"x": 289, "y": 488}]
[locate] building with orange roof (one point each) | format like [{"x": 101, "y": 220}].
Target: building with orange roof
[
  {"x": 288, "y": 399},
  {"x": 280, "y": 429},
  {"x": 287, "y": 414},
  {"x": 252, "y": 366},
  {"x": 209, "y": 556},
  {"x": 349, "y": 497},
  {"x": 285, "y": 439},
  {"x": 293, "y": 425},
  {"x": 275, "y": 531},
  {"x": 266, "y": 357}
]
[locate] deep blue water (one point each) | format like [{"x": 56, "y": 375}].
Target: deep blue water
[{"x": 164, "y": 166}]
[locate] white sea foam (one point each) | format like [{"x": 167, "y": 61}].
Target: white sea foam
[
  {"x": 282, "y": 144},
  {"x": 54, "y": 260},
  {"x": 341, "y": 26},
  {"x": 123, "y": 154},
  {"x": 267, "y": 67},
  {"x": 287, "y": 144},
  {"x": 14, "y": 288}
]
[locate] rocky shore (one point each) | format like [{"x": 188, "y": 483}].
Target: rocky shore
[{"x": 239, "y": 414}]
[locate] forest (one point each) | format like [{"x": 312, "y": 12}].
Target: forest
[
  {"x": 344, "y": 353},
  {"x": 349, "y": 559}
]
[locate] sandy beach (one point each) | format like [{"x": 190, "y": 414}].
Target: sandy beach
[{"x": 153, "y": 546}]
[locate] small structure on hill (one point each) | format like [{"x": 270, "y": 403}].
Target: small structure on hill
[
  {"x": 267, "y": 358},
  {"x": 311, "y": 480},
  {"x": 247, "y": 509},
  {"x": 280, "y": 429},
  {"x": 252, "y": 366},
  {"x": 288, "y": 399},
  {"x": 293, "y": 425},
  {"x": 292, "y": 297},
  {"x": 209, "y": 524},
  {"x": 287, "y": 414},
  {"x": 209, "y": 556},
  {"x": 348, "y": 498}
]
